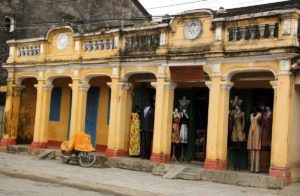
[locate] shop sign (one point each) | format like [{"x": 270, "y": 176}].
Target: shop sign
[{"x": 187, "y": 73}]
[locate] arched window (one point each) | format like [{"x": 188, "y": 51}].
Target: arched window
[{"x": 9, "y": 24}]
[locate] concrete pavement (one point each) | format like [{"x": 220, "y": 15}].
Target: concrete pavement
[{"x": 118, "y": 181}]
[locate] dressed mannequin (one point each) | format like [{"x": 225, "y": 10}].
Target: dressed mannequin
[
  {"x": 183, "y": 132},
  {"x": 134, "y": 145},
  {"x": 175, "y": 132},
  {"x": 266, "y": 135},
  {"x": 238, "y": 125},
  {"x": 147, "y": 121},
  {"x": 254, "y": 141}
]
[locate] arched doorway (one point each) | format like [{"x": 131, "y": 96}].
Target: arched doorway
[
  {"x": 251, "y": 103},
  {"x": 60, "y": 111},
  {"x": 141, "y": 112},
  {"x": 98, "y": 111},
  {"x": 27, "y": 111},
  {"x": 191, "y": 100}
]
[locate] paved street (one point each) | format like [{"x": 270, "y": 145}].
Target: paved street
[
  {"x": 21, "y": 187},
  {"x": 130, "y": 182}
]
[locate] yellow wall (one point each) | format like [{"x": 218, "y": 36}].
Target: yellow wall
[
  {"x": 102, "y": 126},
  {"x": 58, "y": 131},
  {"x": 27, "y": 110}
]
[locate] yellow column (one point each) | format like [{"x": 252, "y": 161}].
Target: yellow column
[
  {"x": 40, "y": 138},
  {"x": 281, "y": 127},
  {"x": 162, "y": 132},
  {"x": 78, "y": 111},
  {"x": 12, "y": 107},
  {"x": 16, "y": 111},
  {"x": 118, "y": 116},
  {"x": 217, "y": 131}
]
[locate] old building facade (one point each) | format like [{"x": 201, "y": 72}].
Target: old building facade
[{"x": 217, "y": 61}]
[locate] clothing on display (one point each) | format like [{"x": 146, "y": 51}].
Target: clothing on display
[
  {"x": 254, "y": 142},
  {"x": 266, "y": 135},
  {"x": 238, "y": 121},
  {"x": 184, "y": 128},
  {"x": 176, "y": 127},
  {"x": 183, "y": 103},
  {"x": 147, "y": 122},
  {"x": 134, "y": 145}
]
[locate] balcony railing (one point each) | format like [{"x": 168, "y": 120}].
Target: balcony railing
[{"x": 34, "y": 50}]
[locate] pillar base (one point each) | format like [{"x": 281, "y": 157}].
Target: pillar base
[
  {"x": 281, "y": 172},
  {"x": 115, "y": 152},
  {"x": 101, "y": 148},
  {"x": 7, "y": 142},
  {"x": 160, "y": 158},
  {"x": 215, "y": 164},
  {"x": 39, "y": 145}
]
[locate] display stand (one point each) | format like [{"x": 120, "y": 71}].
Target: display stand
[
  {"x": 173, "y": 158},
  {"x": 182, "y": 159}
]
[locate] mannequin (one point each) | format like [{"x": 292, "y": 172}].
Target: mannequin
[
  {"x": 183, "y": 132},
  {"x": 267, "y": 120},
  {"x": 254, "y": 141},
  {"x": 175, "y": 132},
  {"x": 147, "y": 121},
  {"x": 238, "y": 125},
  {"x": 235, "y": 102},
  {"x": 183, "y": 103}
]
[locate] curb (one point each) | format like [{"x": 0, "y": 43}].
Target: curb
[{"x": 79, "y": 184}]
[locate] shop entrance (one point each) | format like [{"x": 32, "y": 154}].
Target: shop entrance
[
  {"x": 142, "y": 115},
  {"x": 194, "y": 148},
  {"x": 250, "y": 122}
]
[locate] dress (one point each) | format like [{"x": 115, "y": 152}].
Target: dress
[
  {"x": 266, "y": 135},
  {"x": 238, "y": 134},
  {"x": 254, "y": 137},
  {"x": 184, "y": 130},
  {"x": 176, "y": 130},
  {"x": 134, "y": 146}
]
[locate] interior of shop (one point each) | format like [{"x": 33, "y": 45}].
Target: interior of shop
[{"x": 250, "y": 122}]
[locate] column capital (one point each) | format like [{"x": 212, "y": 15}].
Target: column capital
[
  {"x": 18, "y": 89},
  {"x": 124, "y": 86},
  {"x": 208, "y": 84},
  {"x": 84, "y": 87},
  {"x": 274, "y": 84},
  {"x": 226, "y": 85},
  {"x": 170, "y": 85}
]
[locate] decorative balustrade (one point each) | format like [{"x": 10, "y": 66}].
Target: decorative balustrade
[
  {"x": 29, "y": 51},
  {"x": 142, "y": 42},
  {"x": 263, "y": 31},
  {"x": 99, "y": 45}
]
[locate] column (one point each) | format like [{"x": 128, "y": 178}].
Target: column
[
  {"x": 16, "y": 111},
  {"x": 12, "y": 106},
  {"x": 118, "y": 116},
  {"x": 78, "y": 107},
  {"x": 40, "y": 138},
  {"x": 281, "y": 128},
  {"x": 217, "y": 133},
  {"x": 162, "y": 132}
]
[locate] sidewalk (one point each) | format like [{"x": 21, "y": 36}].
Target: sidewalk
[{"x": 119, "y": 181}]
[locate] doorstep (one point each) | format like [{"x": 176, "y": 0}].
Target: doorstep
[{"x": 191, "y": 171}]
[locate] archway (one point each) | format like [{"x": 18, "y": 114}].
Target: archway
[
  {"x": 191, "y": 100},
  {"x": 251, "y": 103},
  {"x": 27, "y": 111},
  {"x": 60, "y": 110},
  {"x": 141, "y": 111},
  {"x": 98, "y": 110}
]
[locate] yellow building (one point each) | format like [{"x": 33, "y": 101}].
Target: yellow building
[{"x": 68, "y": 82}]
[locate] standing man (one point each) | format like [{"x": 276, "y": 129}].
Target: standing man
[{"x": 147, "y": 121}]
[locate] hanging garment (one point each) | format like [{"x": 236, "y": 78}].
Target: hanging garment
[
  {"x": 254, "y": 137},
  {"x": 147, "y": 123},
  {"x": 184, "y": 130},
  {"x": 238, "y": 133},
  {"x": 134, "y": 145},
  {"x": 266, "y": 135},
  {"x": 176, "y": 130}
]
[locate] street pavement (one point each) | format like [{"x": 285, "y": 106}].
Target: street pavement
[
  {"x": 10, "y": 186},
  {"x": 113, "y": 180}
]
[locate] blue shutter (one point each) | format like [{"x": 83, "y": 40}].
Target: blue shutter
[
  {"x": 55, "y": 104},
  {"x": 108, "y": 110}
]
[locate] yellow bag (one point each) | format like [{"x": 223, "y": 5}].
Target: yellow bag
[{"x": 81, "y": 142}]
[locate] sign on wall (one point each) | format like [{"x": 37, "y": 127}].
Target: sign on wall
[{"x": 187, "y": 73}]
